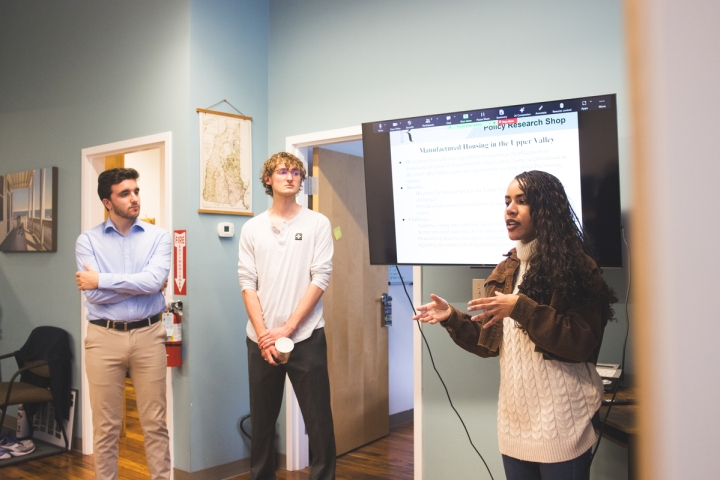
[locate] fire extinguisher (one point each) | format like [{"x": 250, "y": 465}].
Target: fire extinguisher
[{"x": 173, "y": 326}]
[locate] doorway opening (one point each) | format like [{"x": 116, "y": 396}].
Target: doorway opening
[
  {"x": 400, "y": 333},
  {"x": 151, "y": 156},
  {"x": 404, "y": 396}
]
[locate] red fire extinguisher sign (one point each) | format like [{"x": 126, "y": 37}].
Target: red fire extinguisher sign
[{"x": 179, "y": 257}]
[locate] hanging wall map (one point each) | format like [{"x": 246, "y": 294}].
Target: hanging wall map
[{"x": 225, "y": 163}]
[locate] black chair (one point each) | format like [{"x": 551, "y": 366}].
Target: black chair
[{"x": 44, "y": 370}]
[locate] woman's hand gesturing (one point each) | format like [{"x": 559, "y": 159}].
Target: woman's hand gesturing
[
  {"x": 433, "y": 312},
  {"x": 494, "y": 308}
]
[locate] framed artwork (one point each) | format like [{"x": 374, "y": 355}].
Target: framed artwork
[
  {"x": 225, "y": 163},
  {"x": 28, "y": 210}
]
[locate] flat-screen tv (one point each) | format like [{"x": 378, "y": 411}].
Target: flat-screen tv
[{"x": 435, "y": 185}]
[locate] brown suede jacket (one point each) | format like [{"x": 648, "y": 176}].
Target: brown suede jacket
[{"x": 560, "y": 331}]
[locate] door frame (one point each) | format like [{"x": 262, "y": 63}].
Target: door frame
[
  {"x": 91, "y": 213},
  {"x": 296, "y": 441}
]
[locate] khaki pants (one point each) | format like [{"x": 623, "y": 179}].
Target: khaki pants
[{"x": 109, "y": 354}]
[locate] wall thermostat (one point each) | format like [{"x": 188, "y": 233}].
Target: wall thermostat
[{"x": 226, "y": 229}]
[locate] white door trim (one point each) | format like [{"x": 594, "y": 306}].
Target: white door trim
[
  {"x": 417, "y": 379},
  {"x": 91, "y": 212},
  {"x": 296, "y": 441}
]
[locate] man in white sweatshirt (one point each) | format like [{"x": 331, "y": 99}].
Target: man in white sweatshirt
[{"x": 284, "y": 268}]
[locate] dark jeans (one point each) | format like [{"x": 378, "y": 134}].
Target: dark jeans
[
  {"x": 575, "y": 469},
  {"x": 308, "y": 373}
]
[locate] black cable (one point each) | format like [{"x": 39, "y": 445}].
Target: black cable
[
  {"x": 622, "y": 363},
  {"x": 440, "y": 377},
  {"x": 242, "y": 428}
]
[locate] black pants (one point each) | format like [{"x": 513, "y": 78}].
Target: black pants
[
  {"x": 307, "y": 369},
  {"x": 575, "y": 469}
]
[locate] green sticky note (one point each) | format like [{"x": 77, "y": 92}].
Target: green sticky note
[{"x": 337, "y": 233}]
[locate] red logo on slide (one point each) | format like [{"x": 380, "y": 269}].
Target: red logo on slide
[{"x": 507, "y": 121}]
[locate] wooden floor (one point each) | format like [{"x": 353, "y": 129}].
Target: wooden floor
[
  {"x": 388, "y": 458},
  {"x": 74, "y": 465}
]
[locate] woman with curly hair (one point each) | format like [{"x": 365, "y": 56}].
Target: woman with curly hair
[{"x": 544, "y": 314}]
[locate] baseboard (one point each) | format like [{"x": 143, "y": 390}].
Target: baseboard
[
  {"x": 220, "y": 472},
  {"x": 401, "y": 418},
  {"x": 228, "y": 470}
]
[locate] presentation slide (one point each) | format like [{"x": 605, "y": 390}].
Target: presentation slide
[{"x": 449, "y": 183}]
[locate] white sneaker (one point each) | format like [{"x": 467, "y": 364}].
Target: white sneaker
[{"x": 17, "y": 448}]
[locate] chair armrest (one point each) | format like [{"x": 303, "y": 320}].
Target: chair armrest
[
  {"x": 27, "y": 367},
  {"x": 12, "y": 380}
]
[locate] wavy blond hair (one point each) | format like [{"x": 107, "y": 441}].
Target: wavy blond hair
[{"x": 290, "y": 161}]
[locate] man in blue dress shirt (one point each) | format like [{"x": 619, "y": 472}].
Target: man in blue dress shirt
[{"x": 123, "y": 266}]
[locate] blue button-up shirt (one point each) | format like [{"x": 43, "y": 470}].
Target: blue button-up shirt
[{"x": 132, "y": 270}]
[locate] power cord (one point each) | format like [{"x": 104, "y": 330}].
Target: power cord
[
  {"x": 622, "y": 363},
  {"x": 242, "y": 427},
  {"x": 440, "y": 377}
]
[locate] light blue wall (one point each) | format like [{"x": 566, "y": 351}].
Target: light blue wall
[
  {"x": 74, "y": 75},
  {"x": 82, "y": 73},
  {"x": 228, "y": 60},
  {"x": 472, "y": 382},
  {"x": 337, "y": 64}
]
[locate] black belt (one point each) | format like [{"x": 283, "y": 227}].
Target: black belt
[{"x": 124, "y": 326}]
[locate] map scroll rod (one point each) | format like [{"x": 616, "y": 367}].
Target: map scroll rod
[
  {"x": 203, "y": 110},
  {"x": 225, "y": 212}
]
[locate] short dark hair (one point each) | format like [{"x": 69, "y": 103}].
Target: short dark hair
[{"x": 111, "y": 177}]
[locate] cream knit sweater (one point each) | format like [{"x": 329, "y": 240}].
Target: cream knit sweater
[{"x": 545, "y": 406}]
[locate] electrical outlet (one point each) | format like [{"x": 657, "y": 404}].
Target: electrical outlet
[{"x": 478, "y": 288}]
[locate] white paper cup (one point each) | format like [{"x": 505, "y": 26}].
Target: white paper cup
[{"x": 284, "y": 346}]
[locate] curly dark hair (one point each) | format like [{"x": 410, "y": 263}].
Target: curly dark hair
[
  {"x": 290, "y": 161},
  {"x": 560, "y": 261}
]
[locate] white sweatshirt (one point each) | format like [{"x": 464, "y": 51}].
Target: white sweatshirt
[{"x": 281, "y": 265}]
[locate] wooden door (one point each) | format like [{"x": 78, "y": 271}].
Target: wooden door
[
  {"x": 115, "y": 161},
  {"x": 357, "y": 340}
]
